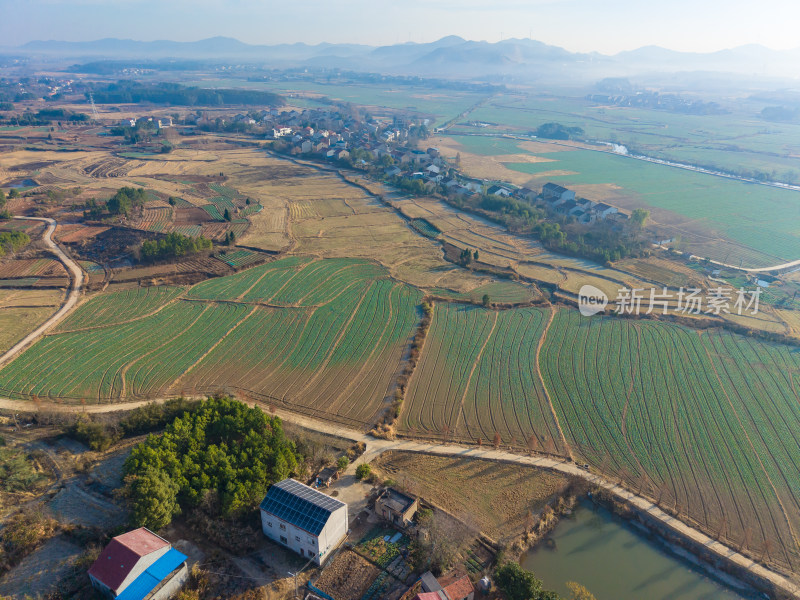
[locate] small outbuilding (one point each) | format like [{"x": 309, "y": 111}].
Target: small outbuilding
[
  {"x": 327, "y": 476},
  {"x": 396, "y": 507}
]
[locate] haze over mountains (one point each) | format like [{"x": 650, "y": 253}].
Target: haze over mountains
[{"x": 451, "y": 56}]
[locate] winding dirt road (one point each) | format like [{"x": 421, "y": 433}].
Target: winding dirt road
[{"x": 76, "y": 277}]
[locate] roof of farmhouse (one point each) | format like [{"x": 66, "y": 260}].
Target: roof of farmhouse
[{"x": 300, "y": 505}]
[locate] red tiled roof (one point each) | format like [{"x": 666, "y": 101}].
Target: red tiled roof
[
  {"x": 459, "y": 589},
  {"x": 121, "y": 555},
  {"x": 427, "y": 596}
]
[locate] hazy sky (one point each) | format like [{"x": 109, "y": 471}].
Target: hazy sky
[{"x": 578, "y": 25}]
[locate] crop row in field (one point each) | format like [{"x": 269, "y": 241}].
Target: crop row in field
[
  {"x": 188, "y": 230},
  {"x": 251, "y": 209},
  {"x": 240, "y": 258},
  {"x": 425, "y": 228},
  {"x": 116, "y": 307},
  {"x": 478, "y": 377},
  {"x": 22, "y": 282},
  {"x": 337, "y": 353},
  {"x": 705, "y": 422},
  {"x": 340, "y": 358},
  {"x": 294, "y": 281},
  {"x": 213, "y": 211},
  {"x": 32, "y": 267}
]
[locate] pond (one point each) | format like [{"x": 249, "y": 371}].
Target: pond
[
  {"x": 617, "y": 561},
  {"x": 23, "y": 183}
]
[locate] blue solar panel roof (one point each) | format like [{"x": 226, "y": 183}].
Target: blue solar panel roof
[
  {"x": 300, "y": 505},
  {"x": 153, "y": 575}
]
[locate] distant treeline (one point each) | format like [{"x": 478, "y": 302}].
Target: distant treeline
[
  {"x": 344, "y": 77},
  {"x": 131, "y": 92},
  {"x": 46, "y": 116},
  {"x": 109, "y": 67}
]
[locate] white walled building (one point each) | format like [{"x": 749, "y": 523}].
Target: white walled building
[{"x": 303, "y": 519}]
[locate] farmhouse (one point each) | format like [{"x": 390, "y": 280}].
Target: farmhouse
[
  {"x": 556, "y": 194},
  {"x": 604, "y": 210},
  {"x": 498, "y": 190},
  {"x": 139, "y": 565},
  {"x": 527, "y": 194},
  {"x": 396, "y": 507},
  {"x": 281, "y": 131},
  {"x": 303, "y": 519}
]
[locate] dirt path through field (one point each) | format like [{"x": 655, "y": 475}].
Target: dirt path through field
[
  {"x": 376, "y": 446},
  {"x": 544, "y": 385},
  {"x": 72, "y": 298}
]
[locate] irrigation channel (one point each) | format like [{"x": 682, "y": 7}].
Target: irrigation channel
[{"x": 617, "y": 561}]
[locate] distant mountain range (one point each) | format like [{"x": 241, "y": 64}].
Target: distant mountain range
[{"x": 452, "y": 56}]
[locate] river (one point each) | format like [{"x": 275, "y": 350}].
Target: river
[{"x": 616, "y": 561}]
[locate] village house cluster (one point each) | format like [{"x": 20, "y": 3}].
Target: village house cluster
[{"x": 386, "y": 144}]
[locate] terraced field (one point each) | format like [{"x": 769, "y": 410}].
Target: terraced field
[
  {"x": 325, "y": 336},
  {"x": 705, "y": 422},
  {"x": 117, "y": 307}
]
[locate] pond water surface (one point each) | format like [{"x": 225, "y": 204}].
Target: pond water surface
[{"x": 616, "y": 561}]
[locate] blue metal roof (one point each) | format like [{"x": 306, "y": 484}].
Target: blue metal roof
[
  {"x": 300, "y": 505},
  {"x": 153, "y": 575}
]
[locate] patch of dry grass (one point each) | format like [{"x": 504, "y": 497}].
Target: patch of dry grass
[{"x": 500, "y": 499}]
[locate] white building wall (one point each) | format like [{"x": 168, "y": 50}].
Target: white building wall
[
  {"x": 333, "y": 532},
  {"x": 302, "y": 541},
  {"x": 171, "y": 587},
  {"x": 295, "y": 538}
]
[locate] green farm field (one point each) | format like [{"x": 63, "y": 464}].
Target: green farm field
[
  {"x": 706, "y": 424},
  {"x": 443, "y": 105},
  {"x": 760, "y": 218},
  {"x": 733, "y": 142},
  {"x": 325, "y": 336}
]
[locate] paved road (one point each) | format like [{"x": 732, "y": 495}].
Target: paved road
[
  {"x": 376, "y": 446},
  {"x": 76, "y": 276}
]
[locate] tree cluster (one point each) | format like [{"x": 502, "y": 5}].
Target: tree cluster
[
  {"x": 557, "y": 131},
  {"x": 12, "y": 241},
  {"x": 120, "y": 204},
  {"x": 99, "y": 435},
  {"x": 125, "y": 200},
  {"x": 224, "y": 454},
  {"x": 173, "y": 245},
  {"x": 132, "y": 92},
  {"x": 518, "y": 584}
]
